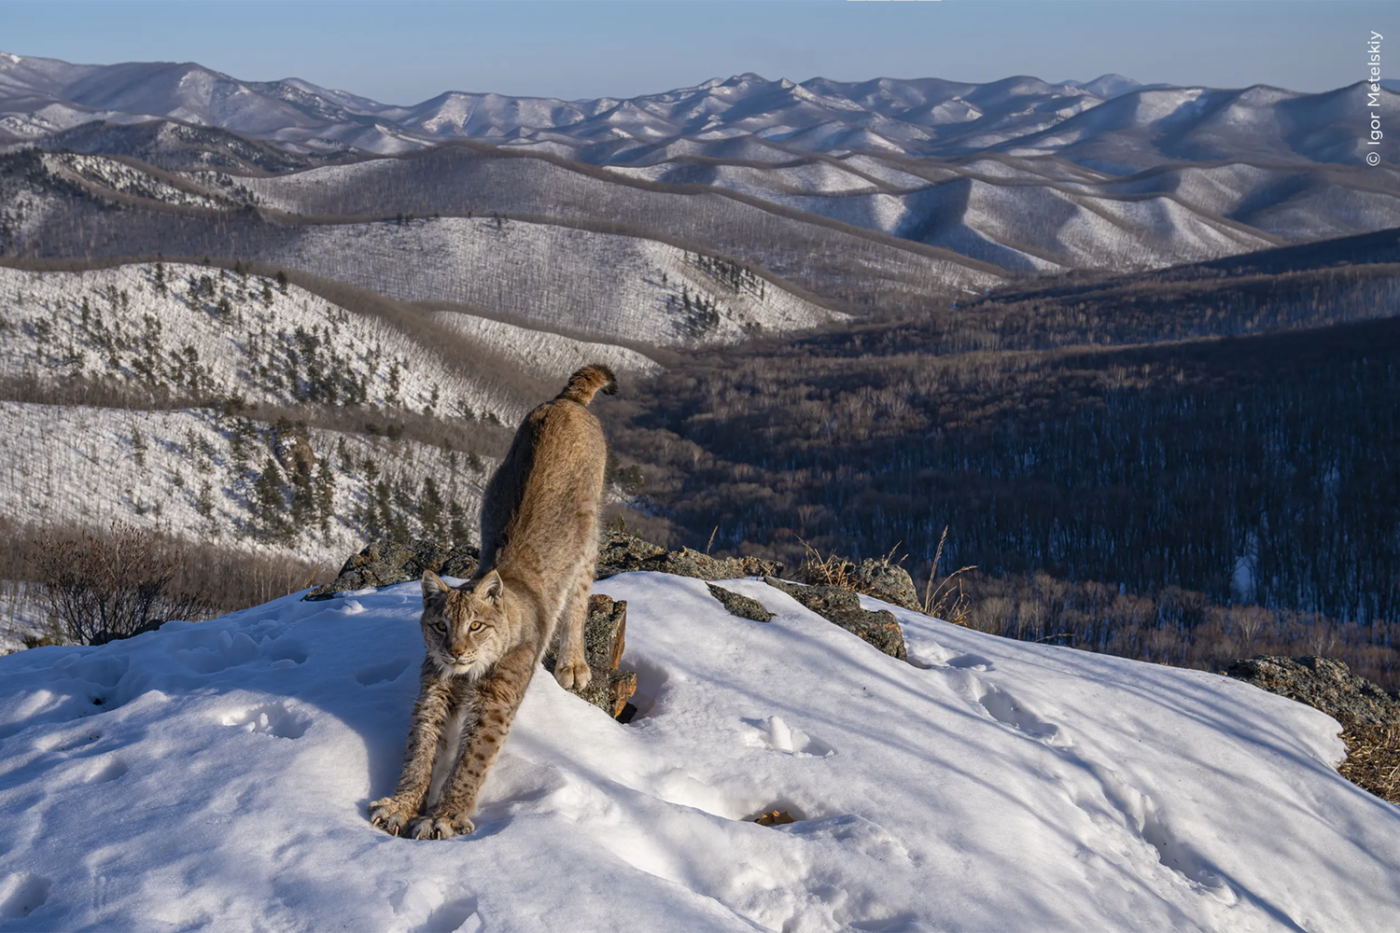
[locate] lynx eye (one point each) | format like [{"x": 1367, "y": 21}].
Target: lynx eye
[
  {"x": 440, "y": 628},
  {"x": 475, "y": 627}
]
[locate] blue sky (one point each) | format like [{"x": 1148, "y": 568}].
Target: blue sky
[{"x": 404, "y": 52}]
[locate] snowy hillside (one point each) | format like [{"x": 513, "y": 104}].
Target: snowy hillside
[
  {"x": 211, "y": 332},
  {"x": 542, "y": 352},
  {"x": 603, "y": 285},
  {"x": 218, "y": 774},
  {"x": 194, "y": 474},
  {"x": 1111, "y": 120}
]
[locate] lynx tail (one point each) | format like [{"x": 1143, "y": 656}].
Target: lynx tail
[{"x": 588, "y": 382}]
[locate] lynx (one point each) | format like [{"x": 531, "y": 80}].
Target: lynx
[{"x": 539, "y": 545}]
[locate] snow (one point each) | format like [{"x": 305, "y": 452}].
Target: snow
[
  {"x": 604, "y": 285},
  {"x": 233, "y": 349},
  {"x": 543, "y": 353},
  {"x": 218, "y": 775},
  {"x": 178, "y": 472}
]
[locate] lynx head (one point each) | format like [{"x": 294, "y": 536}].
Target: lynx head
[{"x": 464, "y": 628}]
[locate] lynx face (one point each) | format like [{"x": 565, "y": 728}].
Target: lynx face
[{"x": 465, "y": 630}]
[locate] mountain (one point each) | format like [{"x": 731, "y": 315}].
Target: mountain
[
  {"x": 988, "y": 785},
  {"x": 746, "y": 116},
  {"x": 1015, "y": 176}
]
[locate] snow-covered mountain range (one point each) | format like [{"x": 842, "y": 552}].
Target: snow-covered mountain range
[
  {"x": 1009, "y": 177},
  {"x": 1111, "y": 121}
]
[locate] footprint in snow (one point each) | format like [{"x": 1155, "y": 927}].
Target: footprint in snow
[
  {"x": 22, "y": 894},
  {"x": 1006, "y": 709},
  {"x": 273, "y": 719},
  {"x": 108, "y": 770},
  {"x": 381, "y": 673},
  {"x": 775, "y": 733}
]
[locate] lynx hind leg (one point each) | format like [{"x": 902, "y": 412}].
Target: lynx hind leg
[{"x": 572, "y": 668}]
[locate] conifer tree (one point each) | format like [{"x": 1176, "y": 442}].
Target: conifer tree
[
  {"x": 270, "y": 503},
  {"x": 430, "y": 510}
]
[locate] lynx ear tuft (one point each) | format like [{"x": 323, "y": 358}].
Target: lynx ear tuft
[
  {"x": 433, "y": 587},
  {"x": 491, "y": 587}
]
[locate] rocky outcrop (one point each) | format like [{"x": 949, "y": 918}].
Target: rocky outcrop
[
  {"x": 624, "y": 553},
  {"x": 385, "y": 563},
  {"x": 886, "y": 581},
  {"x": 1369, "y": 716},
  {"x": 842, "y": 606},
  {"x": 879, "y": 578},
  {"x": 1322, "y": 683},
  {"x": 605, "y": 638},
  {"x": 738, "y": 605}
]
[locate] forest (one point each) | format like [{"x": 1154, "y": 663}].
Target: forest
[{"x": 1133, "y": 464}]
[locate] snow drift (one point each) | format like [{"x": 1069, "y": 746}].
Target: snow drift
[{"x": 217, "y": 775}]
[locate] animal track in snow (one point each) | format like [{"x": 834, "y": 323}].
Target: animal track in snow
[
  {"x": 272, "y": 719},
  {"x": 219, "y": 653},
  {"x": 105, "y": 672},
  {"x": 1142, "y": 816},
  {"x": 108, "y": 770},
  {"x": 285, "y": 654},
  {"x": 973, "y": 661},
  {"x": 380, "y": 673},
  {"x": 22, "y": 894},
  {"x": 425, "y": 907},
  {"x": 1005, "y": 708},
  {"x": 651, "y": 684},
  {"x": 776, "y": 734}
]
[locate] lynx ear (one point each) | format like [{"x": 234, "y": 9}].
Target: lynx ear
[
  {"x": 491, "y": 587},
  {"x": 433, "y": 587}
]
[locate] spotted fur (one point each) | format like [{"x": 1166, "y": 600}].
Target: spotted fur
[{"x": 484, "y": 639}]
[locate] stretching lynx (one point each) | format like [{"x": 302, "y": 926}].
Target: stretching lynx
[{"x": 539, "y": 545}]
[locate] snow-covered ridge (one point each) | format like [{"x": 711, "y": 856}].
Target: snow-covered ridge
[
  {"x": 920, "y": 117},
  {"x": 192, "y": 474},
  {"x": 992, "y": 785},
  {"x": 211, "y": 331},
  {"x": 607, "y": 286},
  {"x": 543, "y": 352}
]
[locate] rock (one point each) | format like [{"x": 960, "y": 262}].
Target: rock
[
  {"x": 1369, "y": 716},
  {"x": 620, "y": 552},
  {"x": 385, "y": 563},
  {"x": 878, "y": 578},
  {"x": 605, "y": 638},
  {"x": 842, "y": 606},
  {"x": 741, "y": 606},
  {"x": 1322, "y": 683},
  {"x": 888, "y": 582}
]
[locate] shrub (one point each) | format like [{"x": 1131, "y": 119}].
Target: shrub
[{"x": 110, "y": 586}]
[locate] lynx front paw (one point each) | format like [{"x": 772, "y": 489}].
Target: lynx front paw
[
  {"x": 572, "y": 675},
  {"x": 441, "y": 827},
  {"x": 391, "y": 814}
]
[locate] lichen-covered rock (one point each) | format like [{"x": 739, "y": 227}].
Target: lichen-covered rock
[
  {"x": 1322, "y": 683},
  {"x": 842, "y": 606},
  {"x": 605, "y": 638},
  {"x": 878, "y": 578},
  {"x": 738, "y": 605},
  {"x": 385, "y": 563},
  {"x": 620, "y": 552},
  {"x": 888, "y": 582}
]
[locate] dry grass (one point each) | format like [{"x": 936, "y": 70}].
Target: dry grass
[
  {"x": 831, "y": 570},
  {"x": 947, "y": 601},
  {"x": 1373, "y": 758}
]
